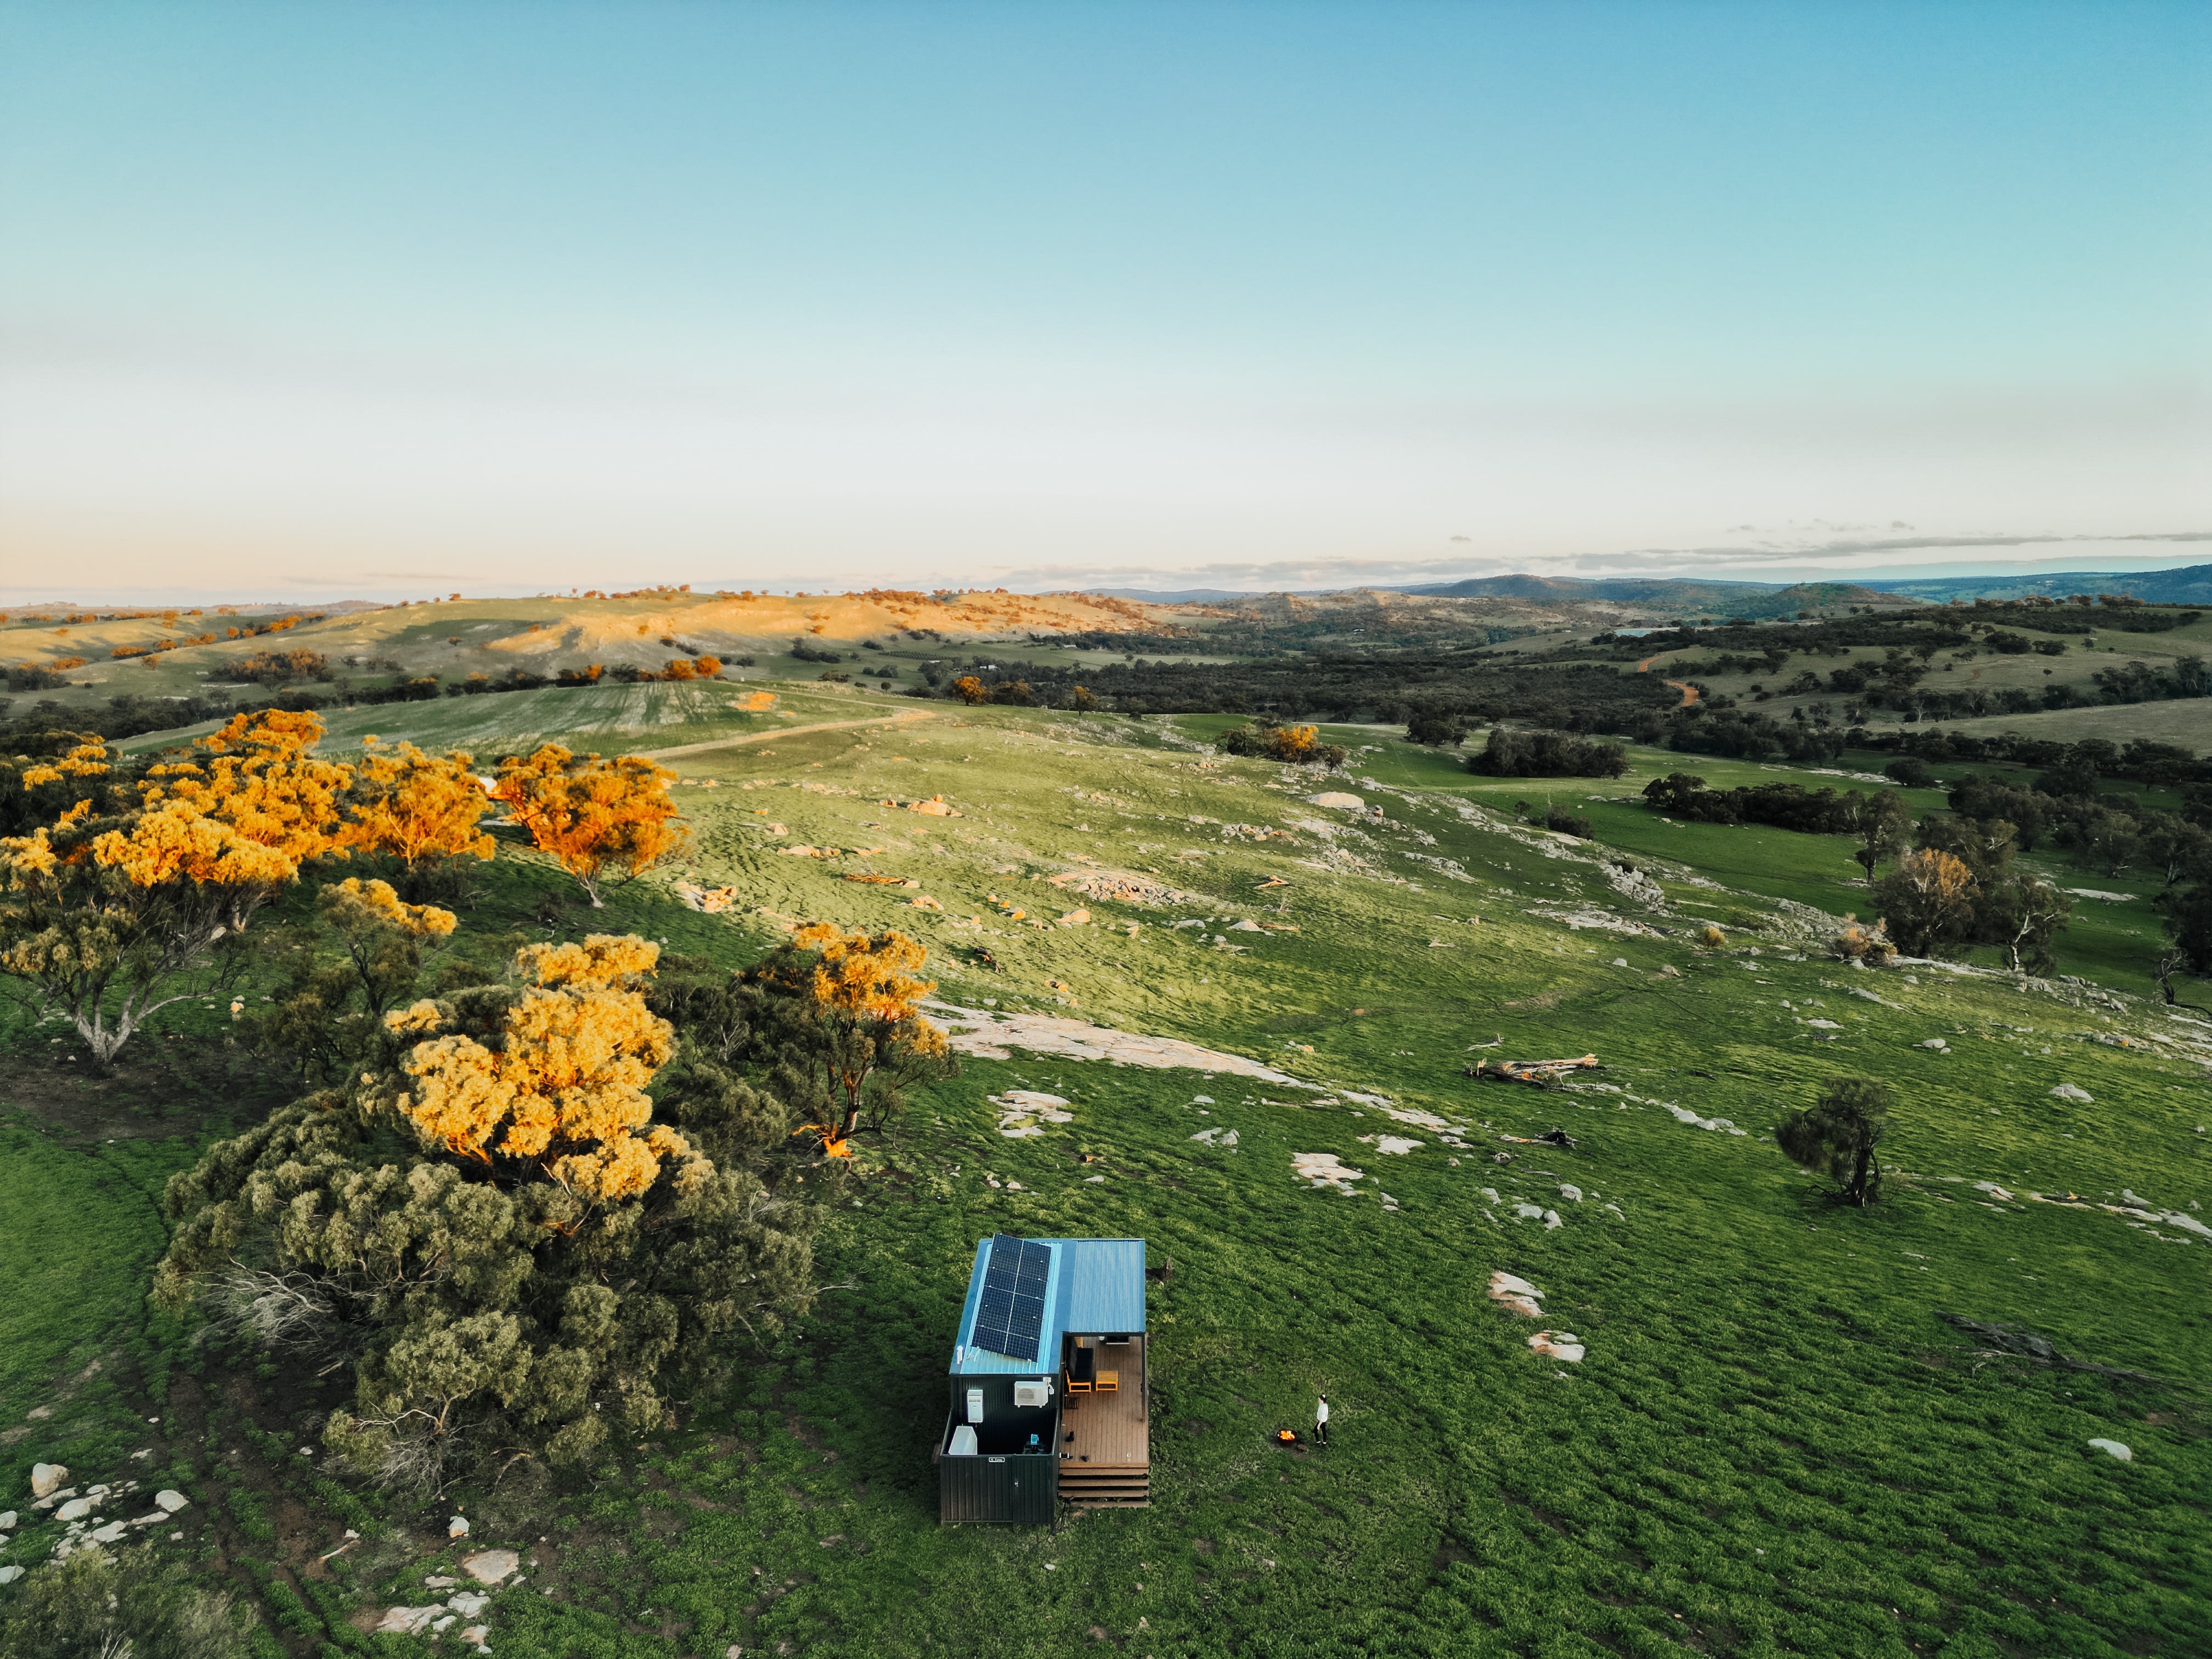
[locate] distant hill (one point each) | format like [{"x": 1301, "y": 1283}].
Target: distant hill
[
  {"x": 1181, "y": 596},
  {"x": 1679, "y": 594},
  {"x": 1675, "y": 595},
  {"x": 2188, "y": 584}
]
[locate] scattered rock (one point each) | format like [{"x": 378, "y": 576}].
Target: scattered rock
[
  {"x": 708, "y": 899},
  {"x": 1683, "y": 1114},
  {"x": 2114, "y": 1449},
  {"x": 1338, "y": 798},
  {"x": 1551, "y": 1219},
  {"x": 1215, "y": 1137},
  {"x": 1425, "y": 1120},
  {"x": 7, "y": 1521},
  {"x": 1572, "y": 1193},
  {"x": 9, "y": 1575},
  {"x": 1324, "y": 1169},
  {"x": 76, "y": 1510},
  {"x": 406, "y": 1621},
  {"x": 988, "y": 1036},
  {"x": 1935, "y": 1042},
  {"x": 468, "y": 1603},
  {"x": 490, "y": 1567},
  {"x": 2068, "y": 1091},
  {"x": 46, "y": 1479},
  {"x": 1559, "y": 1344},
  {"x": 1518, "y": 1294},
  {"x": 110, "y": 1533},
  {"x": 457, "y": 1527},
  {"x": 1124, "y": 887},
  {"x": 171, "y": 1500}
]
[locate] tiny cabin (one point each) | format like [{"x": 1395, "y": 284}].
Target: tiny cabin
[{"x": 1050, "y": 1395}]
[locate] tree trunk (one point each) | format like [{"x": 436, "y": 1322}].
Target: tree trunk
[{"x": 1859, "y": 1192}]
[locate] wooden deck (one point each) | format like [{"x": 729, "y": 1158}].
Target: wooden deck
[{"x": 1110, "y": 1430}]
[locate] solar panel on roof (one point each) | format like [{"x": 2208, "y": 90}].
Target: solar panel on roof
[{"x": 1010, "y": 1314}]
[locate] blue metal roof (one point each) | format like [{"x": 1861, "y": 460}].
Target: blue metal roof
[{"x": 1096, "y": 1288}]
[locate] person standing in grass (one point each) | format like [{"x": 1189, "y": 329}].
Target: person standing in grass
[{"x": 1321, "y": 1422}]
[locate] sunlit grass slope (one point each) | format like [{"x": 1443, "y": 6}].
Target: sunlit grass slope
[
  {"x": 1774, "y": 1437},
  {"x": 1776, "y": 1445}
]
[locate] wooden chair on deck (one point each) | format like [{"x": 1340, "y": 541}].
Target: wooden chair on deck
[{"x": 1108, "y": 1382}]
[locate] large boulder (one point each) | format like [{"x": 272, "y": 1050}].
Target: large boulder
[{"x": 46, "y": 1479}]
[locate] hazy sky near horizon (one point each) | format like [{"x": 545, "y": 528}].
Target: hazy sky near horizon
[{"x": 380, "y": 299}]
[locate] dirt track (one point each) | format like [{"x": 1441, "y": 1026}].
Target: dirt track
[
  {"x": 1689, "y": 692},
  {"x": 904, "y": 717}
]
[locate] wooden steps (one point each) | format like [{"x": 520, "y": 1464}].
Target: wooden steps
[{"x": 1092, "y": 1485}]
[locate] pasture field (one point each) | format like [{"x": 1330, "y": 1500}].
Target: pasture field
[{"x": 1775, "y": 1444}]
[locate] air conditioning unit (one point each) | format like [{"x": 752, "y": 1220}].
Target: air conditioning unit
[{"x": 1035, "y": 1392}]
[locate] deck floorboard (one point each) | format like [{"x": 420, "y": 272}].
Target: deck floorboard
[{"x": 1109, "y": 1429}]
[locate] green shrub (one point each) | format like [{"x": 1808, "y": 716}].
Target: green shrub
[
  {"x": 1517, "y": 754},
  {"x": 488, "y": 1302},
  {"x": 99, "y": 1605}
]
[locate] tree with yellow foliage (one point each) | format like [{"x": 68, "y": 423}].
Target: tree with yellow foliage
[
  {"x": 599, "y": 819},
  {"x": 852, "y": 1035},
  {"x": 260, "y": 776},
  {"x": 563, "y": 1091},
  {"x": 546, "y": 1256},
  {"x": 107, "y": 926},
  {"x": 59, "y": 770},
  {"x": 1927, "y": 901},
  {"x": 327, "y": 1014},
  {"x": 1296, "y": 745},
  {"x": 132, "y": 897},
  {"x": 420, "y": 809}
]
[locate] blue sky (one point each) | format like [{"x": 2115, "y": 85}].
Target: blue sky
[{"x": 386, "y": 297}]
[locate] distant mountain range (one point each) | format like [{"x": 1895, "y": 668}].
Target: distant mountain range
[
  {"x": 1670, "y": 593},
  {"x": 2187, "y": 585}
]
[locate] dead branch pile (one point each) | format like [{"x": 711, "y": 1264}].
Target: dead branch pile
[{"x": 2026, "y": 1344}]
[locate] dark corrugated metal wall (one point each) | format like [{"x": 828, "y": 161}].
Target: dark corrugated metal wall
[{"x": 1020, "y": 1489}]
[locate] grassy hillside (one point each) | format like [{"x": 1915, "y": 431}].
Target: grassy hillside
[{"x": 1775, "y": 1445}]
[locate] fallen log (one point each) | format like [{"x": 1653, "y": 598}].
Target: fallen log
[
  {"x": 2008, "y": 1342},
  {"x": 1543, "y": 1074}
]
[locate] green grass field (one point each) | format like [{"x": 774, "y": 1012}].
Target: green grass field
[
  {"x": 80, "y": 1230},
  {"x": 1775, "y": 1445}
]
